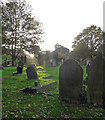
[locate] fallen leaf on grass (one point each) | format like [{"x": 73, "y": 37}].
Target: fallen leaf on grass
[
  {"x": 12, "y": 113},
  {"x": 35, "y": 104},
  {"x": 95, "y": 104},
  {"x": 15, "y": 110},
  {"x": 7, "y": 111},
  {"x": 6, "y": 115},
  {"x": 33, "y": 116},
  {"x": 31, "y": 95},
  {"x": 8, "y": 102},
  {"x": 29, "y": 105},
  {"x": 16, "y": 103},
  {"x": 16, "y": 116}
]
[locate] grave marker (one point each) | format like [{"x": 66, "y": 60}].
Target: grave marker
[
  {"x": 31, "y": 72},
  {"x": 95, "y": 91},
  {"x": 70, "y": 81},
  {"x": 38, "y": 90}
]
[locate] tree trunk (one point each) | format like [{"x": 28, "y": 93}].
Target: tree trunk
[
  {"x": 104, "y": 77},
  {"x": 13, "y": 59}
]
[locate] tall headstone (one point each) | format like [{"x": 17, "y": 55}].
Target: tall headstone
[
  {"x": 20, "y": 64},
  {"x": 95, "y": 91},
  {"x": 70, "y": 81},
  {"x": 40, "y": 59},
  {"x": 19, "y": 68},
  {"x": 31, "y": 72},
  {"x": 48, "y": 60}
]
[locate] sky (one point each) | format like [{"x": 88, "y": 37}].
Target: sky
[{"x": 65, "y": 19}]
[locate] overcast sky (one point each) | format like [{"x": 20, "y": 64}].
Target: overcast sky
[{"x": 65, "y": 19}]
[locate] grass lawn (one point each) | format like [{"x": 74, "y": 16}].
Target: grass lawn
[
  {"x": 16, "y": 104},
  {"x": 4, "y": 57}
]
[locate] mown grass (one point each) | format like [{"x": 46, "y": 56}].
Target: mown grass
[{"x": 20, "y": 105}]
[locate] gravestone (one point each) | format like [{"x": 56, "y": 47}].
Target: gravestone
[
  {"x": 70, "y": 81},
  {"x": 20, "y": 64},
  {"x": 95, "y": 91},
  {"x": 18, "y": 72},
  {"x": 32, "y": 64},
  {"x": 45, "y": 87},
  {"x": 19, "y": 68},
  {"x": 31, "y": 72},
  {"x": 28, "y": 90},
  {"x": 38, "y": 90},
  {"x": 36, "y": 83},
  {"x": 48, "y": 58},
  {"x": 40, "y": 59}
]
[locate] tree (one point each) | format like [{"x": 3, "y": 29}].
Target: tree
[
  {"x": 87, "y": 42},
  {"x": 81, "y": 51},
  {"x": 20, "y": 29},
  {"x": 34, "y": 49}
]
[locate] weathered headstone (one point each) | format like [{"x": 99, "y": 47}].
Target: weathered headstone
[
  {"x": 48, "y": 58},
  {"x": 31, "y": 72},
  {"x": 18, "y": 72},
  {"x": 40, "y": 59},
  {"x": 28, "y": 90},
  {"x": 29, "y": 65},
  {"x": 19, "y": 69},
  {"x": 45, "y": 87},
  {"x": 36, "y": 83},
  {"x": 20, "y": 64},
  {"x": 38, "y": 90},
  {"x": 70, "y": 81},
  {"x": 95, "y": 91}
]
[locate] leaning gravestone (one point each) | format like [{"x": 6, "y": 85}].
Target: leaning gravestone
[
  {"x": 70, "y": 81},
  {"x": 40, "y": 59},
  {"x": 20, "y": 64},
  {"x": 38, "y": 90},
  {"x": 19, "y": 68},
  {"x": 31, "y": 72},
  {"x": 96, "y": 90}
]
